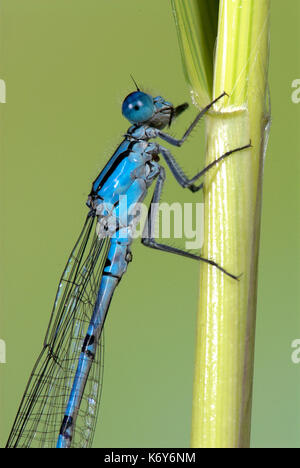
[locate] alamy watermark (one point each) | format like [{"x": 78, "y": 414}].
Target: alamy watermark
[
  {"x": 2, "y": 92},
  {"x": 295, "y": 356},
  {"x": 168, "y": 221},
  {"x": 296, "y": 93},
  {"x": 2, "y": 352}
]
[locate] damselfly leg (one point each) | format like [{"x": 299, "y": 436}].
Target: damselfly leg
[
  {"x": 148, "y": 238},
  {"x": 175, "y": 141},
  {"x": 179, "y": 175}
]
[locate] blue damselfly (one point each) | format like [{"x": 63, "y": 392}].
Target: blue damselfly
[{"x": 61, "y": 401}]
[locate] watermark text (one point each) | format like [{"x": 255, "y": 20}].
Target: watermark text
[
  {"x": 166, "y": 221},
  {"x": 295, "y": 356},
  {"x": 296, "y": 93},
  {"x": 2, "y": 92},
  {"x": 2, "y": 352}
]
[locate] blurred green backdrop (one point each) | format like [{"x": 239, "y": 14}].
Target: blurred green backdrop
[{"x": 66, "y": 64}]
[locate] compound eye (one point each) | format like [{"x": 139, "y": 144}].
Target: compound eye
[{"x": 138, "y": 107}]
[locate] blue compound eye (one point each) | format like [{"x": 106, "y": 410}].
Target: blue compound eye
[{"x": 138, "y": 107}]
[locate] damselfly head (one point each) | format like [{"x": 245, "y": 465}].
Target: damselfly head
[
  {"x": 138, "y": 107},
  {"x": 141, "y": 108}
]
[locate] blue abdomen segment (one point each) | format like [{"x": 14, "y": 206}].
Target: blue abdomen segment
[
  {"x": 114, "y": 268},
  {"x": 107, "y": 287}
]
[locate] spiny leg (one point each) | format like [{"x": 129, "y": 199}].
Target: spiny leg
[
  {"x": 181, "y": 177},
  {"x": 148, "y": 236},
  {"x": 176, "y": 142},
  {"x": 174, "y": 166}
]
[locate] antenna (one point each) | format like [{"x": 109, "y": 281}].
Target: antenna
[{"x": 135, "y": 83}]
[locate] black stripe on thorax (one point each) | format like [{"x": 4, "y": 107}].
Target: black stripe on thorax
[{"x": 118, "y": 161}]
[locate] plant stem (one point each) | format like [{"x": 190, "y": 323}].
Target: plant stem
[
  {"x": 226, "y": 325},
  {"x": 222, "y": 396}
]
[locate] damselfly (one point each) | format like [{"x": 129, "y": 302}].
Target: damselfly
[{"x": 61, "y": 401}]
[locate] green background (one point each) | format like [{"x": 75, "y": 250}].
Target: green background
[{"x": 66, "y": 64}]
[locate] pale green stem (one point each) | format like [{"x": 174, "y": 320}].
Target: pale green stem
[{"x": 232, "y": 195}]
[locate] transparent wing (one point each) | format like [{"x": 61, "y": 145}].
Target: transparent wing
[{"x": 43, "y": 405}]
